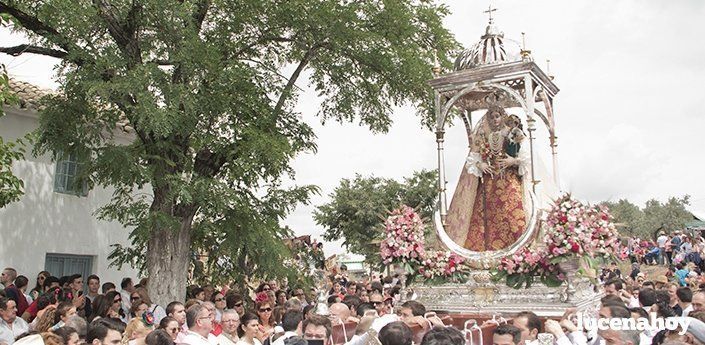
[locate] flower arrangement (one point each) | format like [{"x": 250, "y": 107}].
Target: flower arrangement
[
  {"x": 404, "y": 245},
  {"x": 572, "y": 230},
  {"x": 404, "y": 240}
]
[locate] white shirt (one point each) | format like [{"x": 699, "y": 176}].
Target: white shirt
[
  {"x": 225, "y": 340},
  {"x": 661, "y": 240},
  {"x": 193, "y": 338},
  {"x": 7, "y": 334},
  {"x": 687, "y": 310},
  {"x": 242, "y": 342}
]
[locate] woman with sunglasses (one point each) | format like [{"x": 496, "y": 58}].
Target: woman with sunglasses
[
  {"x": 249, "y": 330},
  {"x": 218, "y": 300},
  {"x": 170, "y": 326},
  {"x": 264, "y": 310},
  {"x": 156, "y": 310},
  {"x": 39, "y": 287}
]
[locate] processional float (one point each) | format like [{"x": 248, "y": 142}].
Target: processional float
[{"x": 491, "y": 80}]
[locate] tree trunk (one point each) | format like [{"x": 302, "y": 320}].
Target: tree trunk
[{"x": 168, "y": 253}]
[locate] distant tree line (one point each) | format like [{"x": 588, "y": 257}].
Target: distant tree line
[{"x": 645, "y": 222}]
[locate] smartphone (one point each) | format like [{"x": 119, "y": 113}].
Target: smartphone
[
  {"x": 315, "y": 341},
  {"x": 80, "y": 293}
]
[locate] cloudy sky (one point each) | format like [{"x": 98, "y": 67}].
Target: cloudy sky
[{"x": 629, "y": 115}]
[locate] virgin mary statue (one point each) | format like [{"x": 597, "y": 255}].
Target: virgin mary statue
[{"x": 487, "y": 211}]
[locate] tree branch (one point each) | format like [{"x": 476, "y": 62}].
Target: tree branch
[
  {"x": 199, "y": 15},
  {"x": 28, "y": 48},
  {"x": 286, "y": 92}
]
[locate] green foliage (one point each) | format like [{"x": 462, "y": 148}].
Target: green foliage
[
  {"x": 11, "y": 186},
  {"x": 358, "y": 208},
  {"x": 202, "y": 85},
  {"x": 671, "y": 215}
]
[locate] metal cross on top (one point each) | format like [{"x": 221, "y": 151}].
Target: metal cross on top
[{"x": 489, "y": 11}]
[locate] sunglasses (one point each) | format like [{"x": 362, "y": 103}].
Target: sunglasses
[
  {"x": 266, "y": 289},
  {"x": 219, "y": 299},
  {"x": 264, "y": 310},
  {"x": 238, "y": 305},
  {"x": 376, "y": 303}
]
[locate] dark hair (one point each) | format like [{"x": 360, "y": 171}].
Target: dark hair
[
  {"x": 63, "y": 280},
  {"x": 352, "y": 301},
  {"x": 3, "y": 302},
  {"x": 618, "y": 311},
  {"x": 98, "y": 329},
  {"x": 51, "y": 280},
  {"x": 21, "y": 281},
  {"x": 74, "y": 277},
  {"x": 107, "y": 286},
  {"x": 332, "y": 299},
  {"x": 40, "y": 287},
  {"x": 196, "y": 291},
  {"x": 616, "y": 282},
  {"x": 647, "y": 297},
  {"x": 417, "y": 309},
  {"x": 504, "y": 329},
  {"x": 532, "y": 321},
  {"x": 231, "y": 300},
  {"x": 363, "y": 307},
  {"x": 170, "y": 307},
  {"x": 295, "y": 340},
  {"x": 443, "y": 336},
  {"x": 291, "y": 320},
  {"x": 261, "y": 286},
  {"x": 165, "y": 322},
  {"x": 612, "y": 300},
  {"x": 158, "y": 337},
  {"x": 125, "y": 283},
  {"x": 395, "y": 333},
  {"x": 308, "y": 308},
  {"x": 61, "y": 310},
  {"x": 65, "y": 333},
  {"x": 647, "y": 284},
  {"x": 685, "y": 294},
  {"x": 244, "y": 320},
  {"x": 318, "y": 320},
  {"x": 92, "y": 277},
  {"x": 639, "y": 310}
]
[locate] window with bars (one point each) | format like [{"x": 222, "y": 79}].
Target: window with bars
[{"x": 65, "y": 178}]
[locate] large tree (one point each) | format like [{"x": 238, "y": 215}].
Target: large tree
[
  {"x": 207, "y": 88},
  {"x": 11, "y": 186},
  {"x": 655, "y": 215},
  {"x": 358, "y": 207}
]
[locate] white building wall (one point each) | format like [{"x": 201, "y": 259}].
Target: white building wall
[{"x": 44, "y": 221}]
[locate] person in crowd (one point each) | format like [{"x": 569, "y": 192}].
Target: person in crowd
[
  {"x": 698, "y": 301},
  {"x": 264, "y": 311},
  {"x": 281, "y": 297},
  {"x": 230, "y": 321},
  {"x": 694, "y": 334},
  {"x": 135, "y": 331},
  {"x": 39, "y": 286},
  {"x": 317, "y": 327},
  {"x": 681, "y": 273},
  {"x": 208, "y": 290},
  {"x": 138, "y": 309},
  {"x": 177, "y": 310},
  {"x": 647, "y": 298},
  {"x": 45, "y": 320},
  {"x": 300, "y": 295},
  {"x": 200, "y": 324},
  {"x": 83, "y": 304},
  {"x": 217, "y": 328},
  {"x": 64, "y": 311},
  {"x": 684, "y": 297},
  {"x": 249, "y": 330},
  {"x": 340, "y": 313},
  {"x": 158, "y": 337},
  {"x": 291, "y": 323},
  {"x": 530, "y": 326},
  {"x": 506, "y": 334},
  {"x": 672, "y": 288},
  {"x": 443, "y": 336},
  {"x": 395, "y": 333},
  {"x": 220, "y": 304},
  {"x": 105, "y": 331},
  {"x": 93, "y": 287},
  {"x": 80, "y": 325},
  {"x": 234, "y": 301},
  {"x": 199, "y": 294},
  {"x": 7, "y": 278},
  {"x": 21, "y": 283},
  {"x": 68, "y": 335},
  {"x": 661, "y": 243},
  {"x": 377, "y": 300},
  {"x": 107, "y": 287},
  {"x": 170, "y": 326},
  {"x": 293, "y": 304},
  {"x": 127, "y": 288},
  {"x": 263, "y": 287},
  {"x": 10, "y": 325},
  {"x": 156, "y": 310}
]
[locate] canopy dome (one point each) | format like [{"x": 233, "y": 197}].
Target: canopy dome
[{"x": 492, "y": 49}]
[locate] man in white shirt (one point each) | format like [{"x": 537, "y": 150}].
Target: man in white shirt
[
  {"x": 230, "y": 320},
  {"x": 661, "y": 242},
  {"x": 291, "y": 322},
  {"x": 200, "y": 324},
  {"x": 530, "y": 326},
  {"x": 684, "y": 296},
  {"x": 10, "y": 325}
]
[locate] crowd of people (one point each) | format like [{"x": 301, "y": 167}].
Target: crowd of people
[
  {"x": 667, "y": 249},
  {"x": 58, "y": 311}
]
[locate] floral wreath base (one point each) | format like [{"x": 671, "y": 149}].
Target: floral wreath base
[{"x": 572, "y": 230}]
